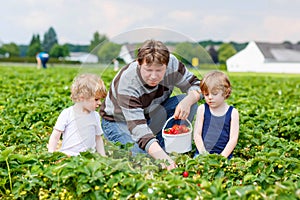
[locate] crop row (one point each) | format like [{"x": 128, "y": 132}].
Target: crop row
[{"x": 265, "y": 164}]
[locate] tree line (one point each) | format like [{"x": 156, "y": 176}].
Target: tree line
[{"x": 205, "y": 51}]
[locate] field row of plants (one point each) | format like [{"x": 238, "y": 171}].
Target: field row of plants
[{"x": 265, "y": 165}]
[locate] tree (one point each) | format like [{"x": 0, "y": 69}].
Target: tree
[
  {"x": 239, "y": 46},
  {"x": 108, "y": 51},
  {"x": 11, "y": 49},
  {"x": 35, "y": 46},
  {"x": 50, "y": 39},
  {"x": 95, "y": 43},
  {"x": 225, "y": 51},
  {"x": 288, "y": 44},
  {"x": 77, "y": 48},
  {"x": 186, "y": 51},
  {"x": 207, "y": 43},
  {"x": 213, "y": 54},
  {"x": 59, "y": 51}
]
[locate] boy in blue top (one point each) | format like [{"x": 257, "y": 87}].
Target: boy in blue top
[
  {"x": 42, "y": 58},
  {"x": 217, "y": 124}
]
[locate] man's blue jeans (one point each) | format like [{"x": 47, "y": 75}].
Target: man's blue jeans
[{"x": 118, "y": 131}]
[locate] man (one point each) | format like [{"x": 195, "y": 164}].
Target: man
[{"x": 139, "y": 100}]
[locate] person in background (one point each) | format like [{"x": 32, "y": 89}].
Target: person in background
[
  {"x": 80, "y": 124},
  {"x": 116, "y": 65},
  {"x": 139, "y": 101},
  {"x": 42, "y": 59},
  {"x": 216, "y": 128}
]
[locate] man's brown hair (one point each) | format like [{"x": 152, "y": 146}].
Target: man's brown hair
[{"x": 153, "y": 51}]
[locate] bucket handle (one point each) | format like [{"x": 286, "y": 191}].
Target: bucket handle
[{"x": 172, "y": 117}]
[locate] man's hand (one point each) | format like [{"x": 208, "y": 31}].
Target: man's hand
[
  {"x": 158, "y": 153},
  {"x": 183, "y": 108},
  {"x": 169, "y": 167}
]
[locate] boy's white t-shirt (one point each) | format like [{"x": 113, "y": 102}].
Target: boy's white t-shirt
[{"x": 79, "y": 131}]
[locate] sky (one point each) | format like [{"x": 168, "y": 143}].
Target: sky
[{"x": 76, "y": 21}]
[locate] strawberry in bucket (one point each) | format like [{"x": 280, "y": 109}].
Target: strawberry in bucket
[
  {"x": 177, "y": 138},
  {"x": 177, "y": 129}
]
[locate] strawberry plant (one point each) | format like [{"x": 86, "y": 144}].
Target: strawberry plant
[{"x": 265, "y": 163}]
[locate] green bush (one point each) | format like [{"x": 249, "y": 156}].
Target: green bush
[{"x": 33, "y": 60}]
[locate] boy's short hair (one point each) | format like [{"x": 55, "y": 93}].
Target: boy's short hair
[
  {"x": 87, "y": 85},
  {"x": 216, "y": 80},
  {"x": 153, "y": 51}
]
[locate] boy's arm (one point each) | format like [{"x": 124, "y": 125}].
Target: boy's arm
[
  {"x": 100, "y": 145},
  {"x": 53, "y": 140},
  {"x": 198, "y": 130},
  {"x": 234, "y": 134}
]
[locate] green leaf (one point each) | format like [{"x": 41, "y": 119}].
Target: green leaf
[
  {"x": 249, "y": 177},
  {"x": 5, "y": 154}
]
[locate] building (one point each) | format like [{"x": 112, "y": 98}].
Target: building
[
  {"x": 128, "y": 52},
  {"x": 82, "y": 57},
  {"x": 266, "y": 57}
]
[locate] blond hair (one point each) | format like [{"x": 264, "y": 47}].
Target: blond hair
[
  {"x": 216, "y": 80},
  {"x": 87, "y": 86}
]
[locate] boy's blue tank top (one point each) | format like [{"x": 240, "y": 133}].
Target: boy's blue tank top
[{"x": 216, "y": 130}]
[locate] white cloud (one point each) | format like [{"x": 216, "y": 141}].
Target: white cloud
[
  {"x": 282, "y": 28},
  {"x": 181, "y": 16},
  {"x": 76, "y": 21}
]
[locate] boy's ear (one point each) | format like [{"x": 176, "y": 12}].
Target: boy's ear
[
  {"x": 81, "y": 98},
  {"x": 227, "y": 92}
]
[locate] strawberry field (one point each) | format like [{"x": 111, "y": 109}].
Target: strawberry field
[{"x": 265, "y": 164}]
